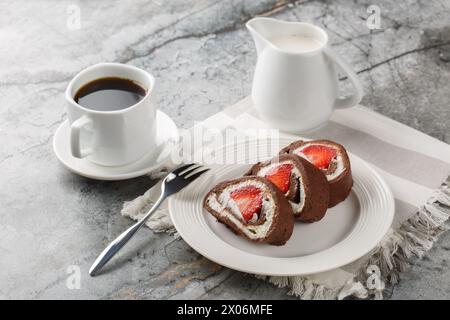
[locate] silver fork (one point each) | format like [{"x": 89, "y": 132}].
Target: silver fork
[{"x": 172, "y": 183}]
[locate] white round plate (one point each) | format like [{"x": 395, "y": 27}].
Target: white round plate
[
  {"x": 166, "y": 139},
  {"x": 347, "y": 232}
]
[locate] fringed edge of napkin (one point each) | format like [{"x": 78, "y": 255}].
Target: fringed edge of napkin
[
  {"x": 309, "y": 290},
  {"x": 394, "y": 254},
  {"x": 412, "y": 240}
]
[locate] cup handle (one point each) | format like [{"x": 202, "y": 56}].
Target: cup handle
[
  {"x": 357, "y": 96},
  {"x": 75, "y": 130}
]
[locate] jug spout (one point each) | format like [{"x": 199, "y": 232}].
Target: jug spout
[
  {"x": 261, "y": 29},
  {"x": 286, "y": 36}
]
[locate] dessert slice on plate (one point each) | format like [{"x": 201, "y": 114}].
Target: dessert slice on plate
[
  {"x": 252, "y": 207},
  {"x": 332, "y": 159},
  {"x": 304, "y": 185}
]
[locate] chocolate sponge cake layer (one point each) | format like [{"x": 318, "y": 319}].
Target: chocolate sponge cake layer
[
  {"x": 308, "y": 190},
  {"x": 338, "y": 172},
  {"x": 275, "y": 221}
]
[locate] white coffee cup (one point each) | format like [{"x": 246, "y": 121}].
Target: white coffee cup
[{"x": 112, "y": 138}]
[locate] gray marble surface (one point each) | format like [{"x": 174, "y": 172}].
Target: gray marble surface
[{"x": 203, "y": 59}]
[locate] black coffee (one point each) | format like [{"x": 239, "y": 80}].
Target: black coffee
[{"x": 109, "y": 94}]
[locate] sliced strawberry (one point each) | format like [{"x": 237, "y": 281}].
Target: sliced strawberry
[
  {"x": 281, "y": 176},
  {"x": 319, "y": 155},
  {"x": 248, "y": 200}
]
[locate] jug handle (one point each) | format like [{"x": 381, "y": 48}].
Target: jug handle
[{"x": 354, "y": 99}]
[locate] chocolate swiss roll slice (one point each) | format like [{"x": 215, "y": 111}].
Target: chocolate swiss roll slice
[
  {"x": 252, "y": 207},
  {"x": 305, "y": 186},
  {"x": 332, "y": 159}
]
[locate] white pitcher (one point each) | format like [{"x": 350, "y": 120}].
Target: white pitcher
[{"x": 297, "y": 90}]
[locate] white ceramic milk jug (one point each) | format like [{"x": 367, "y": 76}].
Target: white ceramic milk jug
[{"x": 295, "y": 85}]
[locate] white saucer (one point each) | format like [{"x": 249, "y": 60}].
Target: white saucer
[{"x": 166, "y": 139}]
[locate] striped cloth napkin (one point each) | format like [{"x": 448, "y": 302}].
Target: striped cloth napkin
[{"x": 415, "y": 166}]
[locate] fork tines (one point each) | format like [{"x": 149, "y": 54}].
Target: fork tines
[{"x": 190, "y": 171}]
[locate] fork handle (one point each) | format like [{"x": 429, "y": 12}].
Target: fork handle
[{"x": 121, "y": 240}]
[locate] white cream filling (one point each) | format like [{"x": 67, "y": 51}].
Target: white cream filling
[
  {"x": 297, "y": 207},
  {"x": 338, "y": 160},
  {"x": 224, "y": 202}
]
